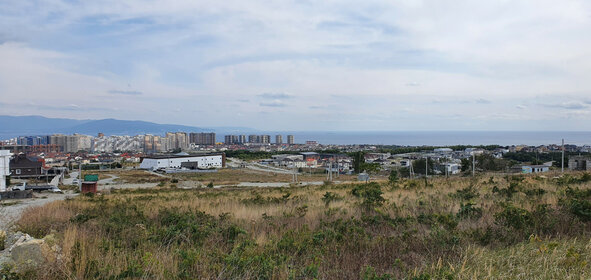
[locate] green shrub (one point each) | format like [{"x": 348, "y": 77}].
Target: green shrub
[
  {"x": 466, "y": 193},
  {"x": 369, "y": 273},
  {"x": 508, "y": 192},
  {"x": 514, "y": 217},
  {"x": 580, "y": 208},
  {"x": 260, "y": 200},
  {"x": 576, "y": 202},
  {"x": 469, "y": 211},
  {"x": 330, "y": 197},
  {"x": 534, "y": 192},
  {"x": 371, "y": 194},
  {"x": 393, "y": 177},
  {"x": 568, "y": 179}
]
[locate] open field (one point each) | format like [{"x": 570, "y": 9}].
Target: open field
[
  {"x": 511, "y": 227},
  {"x": 226, "y": 176},
  {"x": 234, "y": 176}
]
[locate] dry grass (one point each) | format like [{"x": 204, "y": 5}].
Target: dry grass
[
  {"x": 235, "y": 176},
  {"x": 286, "y": 233}
]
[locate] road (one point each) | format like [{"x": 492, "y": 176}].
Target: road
[
  {"x": 73, "y": 175},
  {"x": 14, "y": 207}
]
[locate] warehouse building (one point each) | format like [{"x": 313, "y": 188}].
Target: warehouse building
[{"x": 205, "y": 161}]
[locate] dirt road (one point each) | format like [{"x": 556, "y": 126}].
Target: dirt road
[{"x": 11, "y": 210}]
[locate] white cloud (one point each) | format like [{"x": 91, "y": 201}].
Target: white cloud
[{"x": 491, "y": 59}]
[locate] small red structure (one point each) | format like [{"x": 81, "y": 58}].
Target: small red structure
[{"x": 88, "y": 187}]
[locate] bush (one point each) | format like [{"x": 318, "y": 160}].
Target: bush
[
  {"x": 330, "y": 197},
  {"x": 577, "y": 203},
  {"x": 371, "y": 194},
  {"x": 509, "y": 191},
  {"x": 393, "y": 178},
  {"x": 514, "y": 217},
  {"x": 568, "y": 180},
  {"x": 469, "y": 211},
  {"x": 580, "y": 208},
  {"x": 466, "y": 193}
]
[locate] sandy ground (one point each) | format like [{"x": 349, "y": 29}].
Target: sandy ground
[{"x": 11, "y": 209}]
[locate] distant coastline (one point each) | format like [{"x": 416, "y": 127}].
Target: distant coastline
[{"x": 440, "y": 138}]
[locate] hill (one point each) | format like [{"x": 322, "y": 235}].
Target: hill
[{"x": 13, "y": 126}]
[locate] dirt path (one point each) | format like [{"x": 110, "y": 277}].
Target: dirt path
[{"x": 11, "y": 210}]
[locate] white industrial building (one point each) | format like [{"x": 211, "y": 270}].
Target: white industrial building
[
  {"x": 186, "y": 161},
  {"x": 4, "y": 168}
]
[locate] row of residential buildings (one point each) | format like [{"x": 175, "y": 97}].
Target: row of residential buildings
[
  {"x": 256, "y": 139},
  {"x": 140, "y": 143},
  {"x": 57, "y": 143}
]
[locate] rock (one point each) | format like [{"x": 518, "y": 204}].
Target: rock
[
  {"x": 31, "y": 253},
  {"x": 23, "y": 252},
  {"x": 15, "y": 238}
]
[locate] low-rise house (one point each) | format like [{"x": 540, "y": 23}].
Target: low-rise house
[
  {"x": 579, "y": 163},
  {"x": 23, "y": 167},
  {"x": 528, "y": 169}
]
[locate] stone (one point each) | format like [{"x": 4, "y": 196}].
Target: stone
[
  {"x": 31, "y": 253},
  {"x": 15, "y": 238}
]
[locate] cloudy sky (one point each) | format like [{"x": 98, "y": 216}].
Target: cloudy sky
[{"x": 301, "y": 65}]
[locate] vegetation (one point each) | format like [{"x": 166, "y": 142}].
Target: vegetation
[
  {"x": 457, "y": 228},
  {"x": 417, "y": 149}
]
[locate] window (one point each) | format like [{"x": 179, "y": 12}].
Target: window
[{"x": 18, "y": 171}]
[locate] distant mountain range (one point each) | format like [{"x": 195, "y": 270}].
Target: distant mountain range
[{"x": 13, "y": 126}]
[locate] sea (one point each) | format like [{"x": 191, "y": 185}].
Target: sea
[{"x": 439, "y": 138}]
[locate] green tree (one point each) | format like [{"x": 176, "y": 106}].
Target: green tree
[
  {"x": 358, "y": 161},
  {"x": 419, "y": 166},
  {"x": 466, "y": 164},
  {"x": 404, "y": 172},
  {"x": 393, "y": 178},
  {"x": 489, "y": 163},
  {"x": 371, "y": 168},
  {"x": 371, "y": 193}
]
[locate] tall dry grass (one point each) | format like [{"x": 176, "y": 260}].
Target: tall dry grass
[{"x": 286, "y": 233}]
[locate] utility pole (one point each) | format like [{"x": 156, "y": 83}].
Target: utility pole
[
  {"x": 562, "y": 155},
  {"x": 80, "y": 176},
  {"x": 473, "y": 164},
  {"x": 426, "y": 167}
]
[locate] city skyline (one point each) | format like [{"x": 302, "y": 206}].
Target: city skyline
[{"x": 300, "y": 66}]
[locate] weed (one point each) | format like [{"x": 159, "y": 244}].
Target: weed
[
  {"x": 469, "y": 211},
  {"x": 508, "y": 192},
  {"x": 371, "y": 194},
  {"x": 330, "y": 197},
  {"x": 467, "y": 193},
  {"x": 514, "y": 217}
]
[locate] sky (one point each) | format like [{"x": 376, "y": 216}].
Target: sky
[{"x": 301, "y": 65}]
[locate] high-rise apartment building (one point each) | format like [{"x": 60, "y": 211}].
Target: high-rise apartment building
[
  {"x": 152, "y": 144},
  {"x": 202, "y": 138},
  {"x": 290, "y": 140},
  {"x": 71, "y": 143},
  {"x": 278, "y": 139}
]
